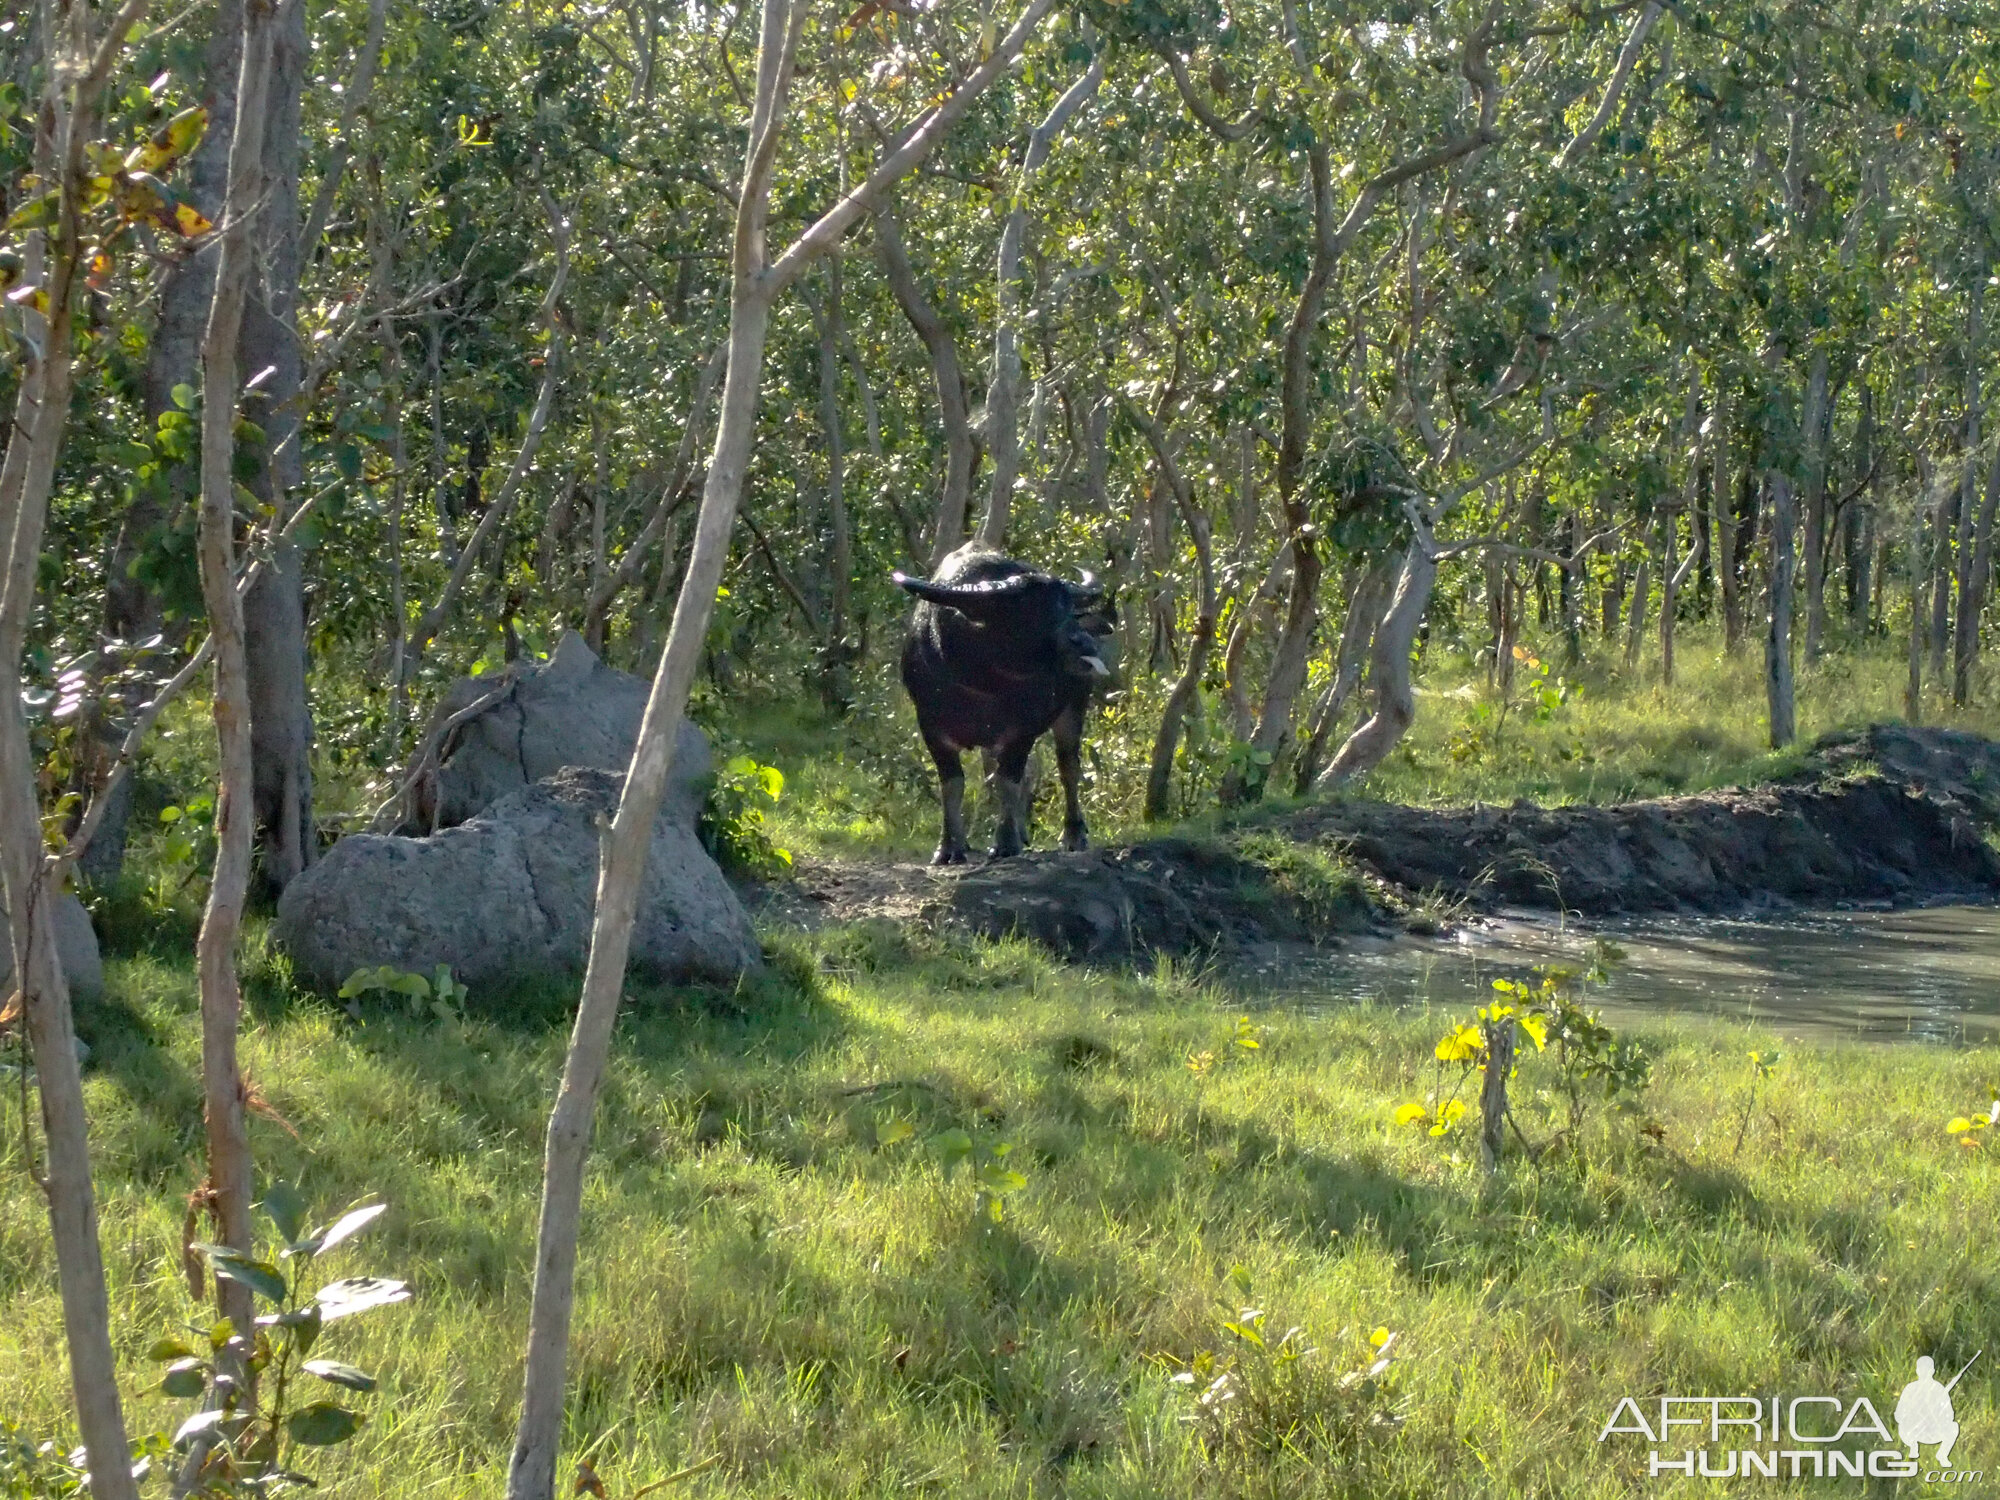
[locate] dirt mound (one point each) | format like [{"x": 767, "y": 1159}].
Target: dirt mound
[{"x": 1887, "y": 814}]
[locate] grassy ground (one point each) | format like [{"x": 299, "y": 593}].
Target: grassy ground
[
  {"x": 767, "y": 1283},
  {"x": 1603, "y": 733}
]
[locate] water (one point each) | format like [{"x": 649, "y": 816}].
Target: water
[{"x": 1930, "y": 974}]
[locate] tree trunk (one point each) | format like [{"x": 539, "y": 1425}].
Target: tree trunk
[
  {"x": 1002, "y": 389},
  {"x": 1364, "y": 612},
  {"x": 1242, "y": 721},
  {"x": 755, "y": 284},
  {"x": 1815, "y": 422},
  {"x": 274, "y": 614},
  {"x": 961, "y": 452},
  {"x": 1973, "y": 587},
  {"x": 66, "y": 123},
  {"x": 1913, "y": 686},
  {"x": 836, "y": 684},
  {"x": 1948, "y": 520},
  {"x": 229, "y": 1168},
  {"x": 1389, "y": 669},
  {"x": 1635, "y": 619},
  {"x": 1160, "y": 770},
  {"x": 1778, "y": 634},
  {"x": 1860, "y": 538}
]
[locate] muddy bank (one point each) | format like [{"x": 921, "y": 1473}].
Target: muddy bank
[{"x": 1887, "y": 814}]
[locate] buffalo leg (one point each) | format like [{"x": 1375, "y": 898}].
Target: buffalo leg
[
  {"x": 951, "y": 792},
  {"x": 1068, "y": 734},
  {"x": 1011, "y": 767}
]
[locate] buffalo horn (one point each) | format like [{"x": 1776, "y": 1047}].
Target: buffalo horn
[{"x": 962, "y": 593}]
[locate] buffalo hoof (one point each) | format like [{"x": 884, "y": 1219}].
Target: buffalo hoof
[
  {"x": 1005, "y": 849},
  {"x": 946, "y": 856},
  {"x": 1075, "y": 840}
]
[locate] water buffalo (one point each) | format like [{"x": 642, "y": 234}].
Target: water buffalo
[{"x": 998, "y": 655}]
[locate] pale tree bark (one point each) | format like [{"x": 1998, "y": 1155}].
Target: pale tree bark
[
  {"x": 1002, "y": 388},
  {"x": 1972, "y": 592},
  {"x": 756, "y": 282},
  {"x": 961, "y": 450},
  {"x": 1628, "y": 57},
  {"x": 1331, "y": 242},
  {"x": 836, "y": 679},
  {"x": 77, "y": 67},
  {"x": 229, "y": 1168},
  {"x": 1814, "y": 424},
  {"x": 1722, "y": 501},
  {"x": 274, "y": 613},
  {"x": 1365, "y": 605},
  {"x": 1389, "y": 665},
  {"x": 1166, "y": 740},
  {"x": 1242, "y": 718},
  {"x": 1780, "y": 698},
  {"x": 1674, "y": 575},
  {"x": 1635, "y": 617},
  {"x": 1913, "y": 683}
]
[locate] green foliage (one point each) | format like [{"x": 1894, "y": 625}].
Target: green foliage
[
  {"x": 1965, "y": 1128},
  {"x": 253, "y": 1413},
  {"x": 440, "y": 996},
  {"x": 1592, "y": 1063},
  {"x": 732, "y": 824},
  {"x": 1260, "y": 1394}
]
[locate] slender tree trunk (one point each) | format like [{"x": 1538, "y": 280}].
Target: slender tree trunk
[
  {"x": 75, "y": 67},
  {"x": 1778, "y": 634},
  {"x": 1635, "y": 618},
  {"x": 1920, "y": 573},
  {"x": 274, "y": 613},
  {"x": 1860, "y": 541},
  {"x": 1815, "y": 422},
  {"x": 836, "y": 686},
  {"x": 1242, "y": 720},
  {"x": 229, "y": 1167},
  {"x": 1003, "y": 388},
  {"x": 1389, "y": 669},
  {"x": 961, "y": 451},
  {"x": 1975, "y": 581},
  {"x": 1948, "y": 520},
  {"x": 1160, "y": 770},
  {"x": 755, "y": 284},
  {"x": 1357, "y": 631}
]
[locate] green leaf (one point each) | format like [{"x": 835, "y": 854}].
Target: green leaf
[
  {"x": 185, "y": 1378},
  {"x": 287, "y": 1209},
  {"x": 183, "y": 396},
  {"x": 889, "y": 1132},
  {"x": 339, "y": 1374},
  {"x": 359, "y": 1294},
  {"x": 322, "y": 1424},
  {"x": 952, "y": 1147},
  {"x": 260, "y": 1276},
  {"x": 347, "y": 458},
  {"x": 170, "y": 1348}
]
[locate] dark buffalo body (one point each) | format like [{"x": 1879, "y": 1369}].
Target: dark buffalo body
[{"x": 998, "y": 655}]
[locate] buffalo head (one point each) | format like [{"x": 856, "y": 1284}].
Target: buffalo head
[{"x": 1033, "y": 612}]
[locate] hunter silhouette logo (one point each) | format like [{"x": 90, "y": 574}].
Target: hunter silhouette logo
[
  {"x": 1799, "y": 1437},
  {"x": 1924, "y": 1412}
]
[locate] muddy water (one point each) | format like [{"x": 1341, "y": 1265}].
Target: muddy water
[{"x": 1931, "y": 974}]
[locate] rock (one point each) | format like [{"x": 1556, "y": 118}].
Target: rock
[
  {"x": 572, "y": 710},
  {"x": 76, "y": 945},
  {"x": 511, "y": 891}
]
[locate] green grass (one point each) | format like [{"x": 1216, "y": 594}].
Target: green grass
[
  {"x": 863, "y": 788},
  {"x": 762, "y": 1282}
]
